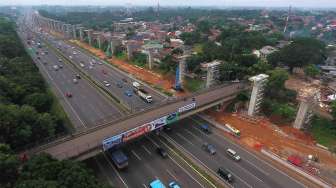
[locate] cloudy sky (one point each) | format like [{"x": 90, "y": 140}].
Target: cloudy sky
[{"x": 263, "y": 3}]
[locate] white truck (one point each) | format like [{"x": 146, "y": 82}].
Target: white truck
[{"x": 141, "y": 92}]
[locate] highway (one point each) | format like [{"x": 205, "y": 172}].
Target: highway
[
  {"x": 249, "y": 172},
  {"x": 100, "y": 72},
  {"x": 145, "y": 165},
  {"x": 87, "y": 106}
]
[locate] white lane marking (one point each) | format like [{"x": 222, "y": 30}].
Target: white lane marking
[
  {"x": 172, "y": 175},
  {"x": 255, "y": 166},
  {"x": 136, "y": 155},
  {"x": 245, "y": 160},
  {"x": 198, "y": 160},
  {"x": 103, "y": 171},
  {"x": 183, "y": 138},
  {"x": 59, "y": 90},
  {"x": 192, "y": 177},
  {"x": 242, "y": 148},
  {"x": 147, "y": 150},
  {"x": 236, "y": 176},
  {"x": 248, "y": 172},
  {"x": 192, "y": 134},
  {"x": 115, "y": 170}
]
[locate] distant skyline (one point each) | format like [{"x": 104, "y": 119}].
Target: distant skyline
[{"x": 218, "y": 3}]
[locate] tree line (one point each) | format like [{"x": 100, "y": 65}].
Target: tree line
[{"x": 27, "y": 115}]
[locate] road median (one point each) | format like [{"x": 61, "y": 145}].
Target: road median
[
  {"x": 121, "y": 106},
  {"x": 204, "y": 172}
]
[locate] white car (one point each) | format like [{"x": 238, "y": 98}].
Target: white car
[
  {"x": 233, "y": 154},
  {"x": 70, "y": 57},
  {"x": 74, "y": 53},
  {"x": 106, "y": 84},
  {"x": 82, "y": 65}
]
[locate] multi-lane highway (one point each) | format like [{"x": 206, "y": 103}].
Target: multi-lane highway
[
  {"x": 101, "y": 72},
  {"x": 145, "y": 165},
  {"x": 87, "y": 107},
  {"x": 249, "y": 172}
]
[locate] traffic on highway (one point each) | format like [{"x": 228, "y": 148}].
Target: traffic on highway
[
  {"x": 116, "y": 82},
  {"x": 169, "y": 151},
  {"x": 86, "y": 105}
]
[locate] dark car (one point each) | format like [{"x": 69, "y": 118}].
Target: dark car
[
  {"x": 124, "y": 80},
  {"x": 209, "y": 148},
  {"x": 162, "y": 152},
  {"x": 205, "y": 128},
  {"x": 225, "y": 174},
  {"x": 69, "y": 95},
  {"x": 78, "y": 76},
  {"x": 129, "y": 93},
  {"x": 119, "y": 84}
]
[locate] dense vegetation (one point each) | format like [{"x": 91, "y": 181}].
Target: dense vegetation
[
  {"x": 26, "y": 105},
  {"x": 42, "y": 171},
  {"x": 324, "y": 131},
  {"x": 27, "y": 115}
]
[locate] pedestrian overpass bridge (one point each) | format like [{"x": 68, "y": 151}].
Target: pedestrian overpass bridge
[{"x": 89, "y": 142}]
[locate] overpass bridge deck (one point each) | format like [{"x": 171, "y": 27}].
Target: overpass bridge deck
[{"x": 91, "y": 139}]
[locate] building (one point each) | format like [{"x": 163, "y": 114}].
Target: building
[{"x": 264, "y": 52}]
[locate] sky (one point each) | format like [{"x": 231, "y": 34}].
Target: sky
[{"x": 218, "y": 3}]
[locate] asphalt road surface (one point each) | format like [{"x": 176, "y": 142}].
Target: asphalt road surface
[
  {"x": 104, "y": 72},
  {"x": 249, "y": 172},
  {"x": 87, "y": 106},
  {"x": 145, "y": 165}
]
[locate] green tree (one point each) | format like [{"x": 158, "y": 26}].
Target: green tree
[
  {"x": 9, "y": 164},
  {"x": 285, "y": 111},
  {"x": 333, "y": 109},
  {"x": 311, "y": 70},
  {"x": 39, "y": 183},
  {"x": 40, "y": 101},
  {"x": 299, "y": 53},
  {"x": 277, "y": 79},
  {"x": 258, "y": 68},
  {"x": 66, "y": 173}
]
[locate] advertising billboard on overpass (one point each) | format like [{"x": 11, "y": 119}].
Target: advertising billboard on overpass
[
  {"x": 112, "y": 141},
  {"x": 136, "y": 132},
  {"x": 141, "y": 130}
]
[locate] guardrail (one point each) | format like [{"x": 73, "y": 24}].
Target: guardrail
[{"x": 239, "y": 87}]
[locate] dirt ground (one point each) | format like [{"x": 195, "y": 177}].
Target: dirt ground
[
  {"x": 296, "y": 83},
  {"x": 282, "y": 140},
  {"x": 151, "y": 77}
]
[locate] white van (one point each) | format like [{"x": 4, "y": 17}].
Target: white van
[{"x": 233, "y": 154}]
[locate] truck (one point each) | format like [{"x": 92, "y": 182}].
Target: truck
[
  {"x": 143, "y": 94},
  {"x": 119, "y": 158}
]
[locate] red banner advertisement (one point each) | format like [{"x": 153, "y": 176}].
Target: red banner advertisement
[{"x": 137, "y": 132}]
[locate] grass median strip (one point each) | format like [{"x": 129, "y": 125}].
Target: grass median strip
[
  {"x": 114, "y": 99},
  {"x": 202, "y": 173}
]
